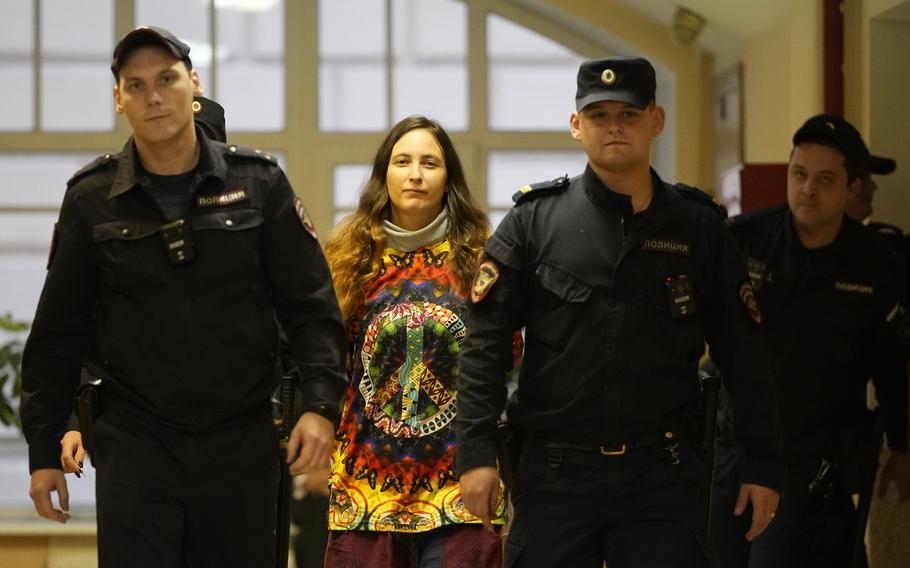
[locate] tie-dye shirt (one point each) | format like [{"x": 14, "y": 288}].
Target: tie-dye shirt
[{"x": 393, "y": 462}]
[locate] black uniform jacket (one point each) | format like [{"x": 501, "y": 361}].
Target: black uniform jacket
[
  {"x": 193, "y": 345},
  {"x": 831, "y": 319},
  {"x": 612, "y": 337}
]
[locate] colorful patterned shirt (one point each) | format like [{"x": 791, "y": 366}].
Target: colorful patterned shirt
[{"x": 393, "y": 464}]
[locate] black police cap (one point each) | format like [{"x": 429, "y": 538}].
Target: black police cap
[
  {"x": 209, "y": 116},
  {"x": 843, "y": 136},
  {"x": 881, "y": 165},
  {"x": 625, "y": 79},
  {"x": 149, "y": 35}
]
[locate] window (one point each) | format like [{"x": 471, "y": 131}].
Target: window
[
  {"x": 17, "y": 109},
  {"x": 369, "y": 80},
  {"x": 76, "y": 45},
  {"x": 531, "y": 78},
  {"x": 348, "y": 181},
  {"x": 316, "y": 82}
]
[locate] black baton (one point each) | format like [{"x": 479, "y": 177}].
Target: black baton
[
  {"x": 87, "y": 406},
  {"x": 710, "y": 386},
  {"x": 287, "y": 391}
]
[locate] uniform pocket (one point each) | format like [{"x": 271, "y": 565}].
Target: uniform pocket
[
  {"x": 239, "y": 219},
  {"x": 130, "y": 251},
  {"x": 559, "y": 299},
  {"x": 562, "y": 283},
  {"x": 228, "y": 245}
]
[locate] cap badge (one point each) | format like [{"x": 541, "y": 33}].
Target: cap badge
[
  {"x": 608, "y": 77},
  {"x": 830, "y": 125}
]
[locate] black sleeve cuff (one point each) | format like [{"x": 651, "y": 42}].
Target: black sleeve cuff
[
  {"x": 44, "y": 455},
  {"x": 475, "y": 453},
  {"x": 325, "y": 410},
  {"x": 766, "y": 472}
]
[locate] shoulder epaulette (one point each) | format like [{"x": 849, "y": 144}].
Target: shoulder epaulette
[
  {"x": 253, "y": 153},
  {"x": 690, "y": 192},
  {"x": 540, "y": 189},
  {"x": 886, "y": 229},
  {"x": 89, "y": 168}
]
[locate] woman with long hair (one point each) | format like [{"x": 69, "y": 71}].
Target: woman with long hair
[{"x": 402, "y": 265}]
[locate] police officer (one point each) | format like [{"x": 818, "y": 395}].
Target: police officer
[
  {"x": 831, "y": 300},
  {"x": 859, "y": 202},
  {"x": 618, "y": 279},
  {"x": 172, "y": 265}
]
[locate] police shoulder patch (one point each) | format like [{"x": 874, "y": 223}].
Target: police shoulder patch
[
  {"x": 90, "y": 167},
  {"x": 251, "y": 153},
  {"x": 700, "y": 196},
  {"x": 304, "y": 217},
  {"x": 487, "y": 274},
  {"x": 540, "y": 189}
]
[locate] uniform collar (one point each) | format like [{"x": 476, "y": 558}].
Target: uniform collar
[
  {"x": 829, "y": 260},
  {"x": 839, "y": 246},
  {"x": 130, "y": 173},
  {"x": 657, "y": 214},
  {"x": 600, "y": 194}
]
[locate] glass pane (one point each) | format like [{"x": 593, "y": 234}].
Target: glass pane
[
  {"x": 187, "y": 20},
  {"x": 353, "y": 83},
  {"x": 17, "y": 97},
  {"x": 37, "y": 180},
  {"x": 352, "y": 97},
  {"x": 26, "y": 237},
  {"x": 76, "y": 43},
  {"x": 16, "y": 26},
  {"x": 507, "y": 171},
  {"x": 430, "y": 52},
  {"x": 351, "y": 29},
  {"x": 348, "y": 180},
  {"x": 531, "y": 78},
  {"x": 251, "y": 64},
  {"x": 66, "y": 87}
]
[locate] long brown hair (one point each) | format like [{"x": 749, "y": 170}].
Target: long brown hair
[{"x": 356, "y": 245}]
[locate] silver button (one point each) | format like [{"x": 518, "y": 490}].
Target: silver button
[
  {"x": 229, "y": 223},
  {"x": 232, "y": 148},
  {"x": 125, "y": 232}
]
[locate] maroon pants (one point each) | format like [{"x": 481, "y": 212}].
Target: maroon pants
[{"x": 452, "y": 546}]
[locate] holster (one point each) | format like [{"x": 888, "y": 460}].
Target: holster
[
  {"x": 87, "y": 406},
  {"x": 508, "y": 452}
]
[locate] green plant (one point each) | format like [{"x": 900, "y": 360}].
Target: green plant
[{"x": 11, "y": 368}]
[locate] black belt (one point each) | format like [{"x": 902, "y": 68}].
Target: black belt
[{"x": 668, "y": 435}]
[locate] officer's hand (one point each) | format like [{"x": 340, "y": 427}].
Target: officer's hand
[
  {"x": 480, "y": 493},
  {"x": 44, "y": 482},
  {"x": 896, "y": 471},
  {"x": 72, "y": 453},
  {"x": 313, "y": 437},
  {"x": 764, "y": 504}
]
